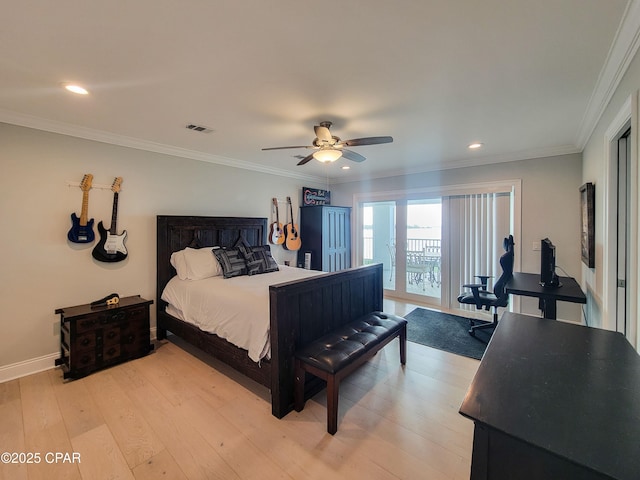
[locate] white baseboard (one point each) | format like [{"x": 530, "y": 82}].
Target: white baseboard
[
  {"x": 28, "y": 367},
  {"x": 36, "y": 365}
]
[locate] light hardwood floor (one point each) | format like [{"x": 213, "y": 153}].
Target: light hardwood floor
[{"x": 181, "y": 415}]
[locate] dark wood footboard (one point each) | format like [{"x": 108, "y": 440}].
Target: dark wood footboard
[{"x": 303, "y": 311}]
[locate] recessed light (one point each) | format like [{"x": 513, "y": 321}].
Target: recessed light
[
  {"x": 473, "y": 146},
  {"x": 346, "y": 167},
  {"x": 77, "y": 89}
]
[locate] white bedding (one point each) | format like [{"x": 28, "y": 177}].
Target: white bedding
[{"x": 236, "y": 309}]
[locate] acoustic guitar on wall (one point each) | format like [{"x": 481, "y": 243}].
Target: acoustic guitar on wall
[
  {"x": 111, "y": 247},
  {"x": 291, "y": 232},
  {"x": 276, "y": 234},
  {"x": 82, "y": 228}
]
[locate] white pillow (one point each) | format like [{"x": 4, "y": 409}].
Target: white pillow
[{"x": 195, "y": 263}]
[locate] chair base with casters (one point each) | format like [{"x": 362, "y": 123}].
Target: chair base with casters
[
  {"x": 483, "y": 325},
  {"x": 481, "y": 297}
]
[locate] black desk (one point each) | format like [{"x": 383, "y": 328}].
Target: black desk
[
  {"x": 553, "y": 400},
  {"x": 528, "y": 285}
]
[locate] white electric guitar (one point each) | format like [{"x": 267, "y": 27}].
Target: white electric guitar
[{"x": 111, "y": 247}]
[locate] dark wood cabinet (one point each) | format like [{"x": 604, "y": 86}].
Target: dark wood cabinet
[
  {"x": 95, "y": 338},
  {"x": 555, "y": 400},
  {"x": 326, "y": 233}
]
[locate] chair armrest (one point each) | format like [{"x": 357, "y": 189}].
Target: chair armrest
[
  {"x": 484, "y": 279},
  {"x": 476, "y": 288}
]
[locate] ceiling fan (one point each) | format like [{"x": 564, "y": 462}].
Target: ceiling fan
[{"x": 329, "y": 148}]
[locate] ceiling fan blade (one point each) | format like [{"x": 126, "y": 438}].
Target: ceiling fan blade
[
  {"x": 322, "y": 133},
  {"x": 306, "y": 159},
  {"x": 356, "y": 142},
  {"x": 282, "y": 148},
  {"x": 353, "y": 156}
]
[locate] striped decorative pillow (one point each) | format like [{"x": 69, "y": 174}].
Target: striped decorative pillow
[
  {"x": 258, "y": 259},
  {"x": 231, "y": 260}
]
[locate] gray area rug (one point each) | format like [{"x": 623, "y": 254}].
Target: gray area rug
[{"x": 446, "y": 332}]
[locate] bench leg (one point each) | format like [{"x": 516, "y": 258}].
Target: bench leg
[
  {"x": 332, "y": 404},
  {"x": 403, "y": 345},
  {"x": 298, "y": 387}
]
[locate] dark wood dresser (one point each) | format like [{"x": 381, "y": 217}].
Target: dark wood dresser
[
  {"x": 554, "y": 400},
  {"x": 99, "y": 337}
]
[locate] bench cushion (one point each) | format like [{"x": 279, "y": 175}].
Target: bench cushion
[{"x": 339, "y": 348}]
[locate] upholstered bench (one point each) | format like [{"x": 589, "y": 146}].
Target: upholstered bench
[{"x": 340, "y": 352}]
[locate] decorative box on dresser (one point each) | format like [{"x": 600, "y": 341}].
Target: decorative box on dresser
[
  {"x": 325, "y": 231},
  {"x": 92, "y": 338}
]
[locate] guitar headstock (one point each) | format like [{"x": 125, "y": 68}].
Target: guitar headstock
[
  {"x": 115, "y": 187},
  {"x": 274, "y": 200},
  {"x": 289, "y": 200},
  {"x": 85, "y": 184}
]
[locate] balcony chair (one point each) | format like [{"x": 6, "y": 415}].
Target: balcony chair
[{"x": 482, "y": 298}]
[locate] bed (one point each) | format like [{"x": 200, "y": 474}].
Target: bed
[{"x": 300, "y": 311}]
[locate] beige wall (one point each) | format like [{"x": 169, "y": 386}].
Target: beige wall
[
  {"x": 550, "y": 208},
  {"x": 41, "y": 271},
  {"x": 594, "y": 170}
]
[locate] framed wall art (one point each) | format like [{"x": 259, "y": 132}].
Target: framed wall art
[
  {"x": 588, "y": 217},
  {"x": 315, "y": 196}
]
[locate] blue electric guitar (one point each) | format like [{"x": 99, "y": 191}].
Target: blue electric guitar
[
  {"x": 111, "y": 247},
  {"x": 82, "y": 228}
]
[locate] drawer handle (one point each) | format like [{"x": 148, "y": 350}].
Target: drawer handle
[
  {"x": 111, "y": 351},
  {"x": 112, "y": 335},
  {"x": 85, "y": 342}
]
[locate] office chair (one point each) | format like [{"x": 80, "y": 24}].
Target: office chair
[{"x": 481, "y": 297}]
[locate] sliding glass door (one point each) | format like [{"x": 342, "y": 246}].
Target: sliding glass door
[
  {"x": 405, "y": 236},
  {"x": 423, "y": 251},
  {"x": 432, "y": 242}
]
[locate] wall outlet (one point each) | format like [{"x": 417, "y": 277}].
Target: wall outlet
[{"x": 536, "y": 246}]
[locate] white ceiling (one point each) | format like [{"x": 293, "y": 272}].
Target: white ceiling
[{"x": 526, "y": 78}]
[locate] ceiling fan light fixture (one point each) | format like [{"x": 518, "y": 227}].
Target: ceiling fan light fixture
[
  {"x": 327, "y": 155},
  {"x": 76, "y": 89}
]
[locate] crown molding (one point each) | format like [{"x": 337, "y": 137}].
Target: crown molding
[
  {"x": 622, "y": 51},
  {"x": 467, "y": 162},
  {"x": 51, "y": 126}
]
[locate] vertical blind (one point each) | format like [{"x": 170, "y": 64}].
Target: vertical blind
[{"x": 474, "y": 227}]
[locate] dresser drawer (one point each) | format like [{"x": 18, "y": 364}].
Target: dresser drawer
[
  {"x": 111, "y": 335},
  {"x": 86, "y": 341}
]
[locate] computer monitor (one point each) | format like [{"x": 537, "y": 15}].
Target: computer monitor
[{"x": 548, "y": 277}]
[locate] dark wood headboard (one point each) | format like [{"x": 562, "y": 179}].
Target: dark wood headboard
[{"x": 177, "y": 232}]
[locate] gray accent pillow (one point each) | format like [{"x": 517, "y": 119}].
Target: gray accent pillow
[
  {"x": 231, "y": 260},
  {"x": 259, "y": 260}
]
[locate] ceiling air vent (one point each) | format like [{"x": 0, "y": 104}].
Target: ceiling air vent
[{"x": 199, "y": 128}]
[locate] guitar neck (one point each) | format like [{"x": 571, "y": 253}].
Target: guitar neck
[
  {"x": 114, "y": 215},
  {"x": 84, "y": 216},
  {"x": 290, "y": 209},
  {"x": 275, "y": 204}
]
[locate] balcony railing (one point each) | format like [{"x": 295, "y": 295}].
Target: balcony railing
[
  {"x": 422, "y": 261},
  {"x": 430, "y": 245}
]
